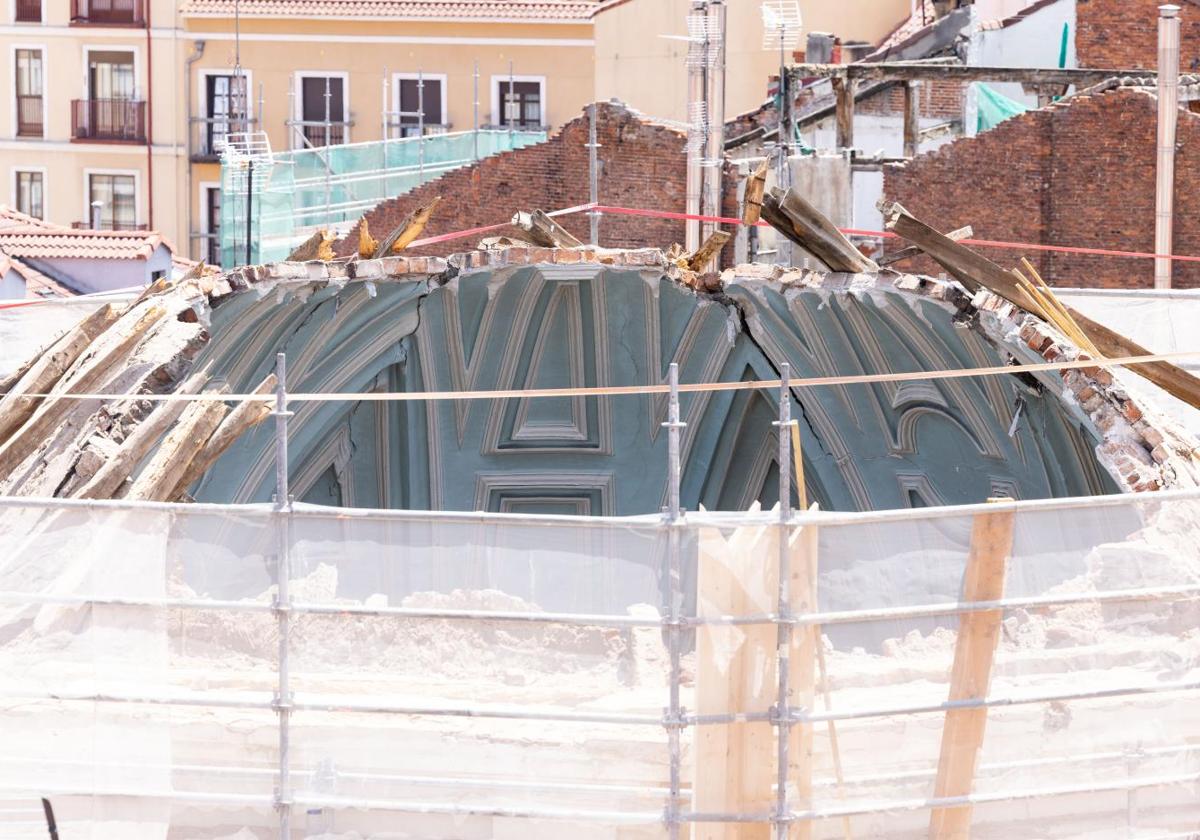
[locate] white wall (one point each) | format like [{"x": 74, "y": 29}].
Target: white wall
[
  {"x": 1034, "y": 42},
  {"x": 90, "y": 276},
  {"x": 12, "y": 285}
]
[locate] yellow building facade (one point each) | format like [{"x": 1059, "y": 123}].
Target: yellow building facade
[{"x": 118, "y": 107}]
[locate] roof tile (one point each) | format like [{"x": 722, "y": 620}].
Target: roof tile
[{"x": 401, "y": 9}]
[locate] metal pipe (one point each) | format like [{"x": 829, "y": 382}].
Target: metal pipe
[
  {"x": 511, "y": 100},
  {"x": 476, "y": 108},
  {"x": 249, "y": 209},
  {"x": 150, "y": 122},
  {"x": 196, "y": 54},
  {"x": 697, "y": 115},
  {"x": 385, "y": 111},
  {"x": 1168, "y": 116},
  {"x": 673, "y": 720},
  {"x": 593, "y": 177},
  {"x": 420, "y": 127},
  {"x": 283, "y": 509},
  {"x": 784, "y": 630},
  {"x": 714, "y": 156}
]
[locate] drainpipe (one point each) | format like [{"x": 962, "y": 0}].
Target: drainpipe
[
  {"x": 696, "y": 97},
  {"x": 197, "y": 52},
  {"x": 149, "y": 122},
  {"x": 715, "y": 155},
  {"x": 1168, "y": 115}
]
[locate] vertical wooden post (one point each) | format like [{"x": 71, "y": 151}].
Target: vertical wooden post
[
  {"x": 733, "y": 764},
  {"x": 978, "y": 633},
  {"x": 844, "y": 88},
  {"x": 912, "y": 118}
]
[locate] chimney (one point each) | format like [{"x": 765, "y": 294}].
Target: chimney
[{"x": 1168, "y": 115}]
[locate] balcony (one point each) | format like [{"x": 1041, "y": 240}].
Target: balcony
[
  {"x": 398, "y": 129},
  {"x": 29, "y": 11},
  {"x": 111, "y": 224},
  {"x": 209, "y": 133},
  {"x": 108, "y": 12},
  {"x": 109, "y": 120},
  {"x": 315, "y": 134},
  {"x": 30, "y": 116}
]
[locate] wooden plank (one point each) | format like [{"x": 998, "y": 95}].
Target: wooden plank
[
  {"x": 913, "y": 251},
  {"x": 319, "y": 246},
  {"x": 707, "y": 252},
  {"x": 978, "y": 634},
  {"x": 405, "y": 233},
  {"x": 799, "y": 221},
  {"x": 367, "y": 246},
  {"x": 544, "y": 231},
  {"x": 158, "y": 480},
  {"x": 893, "y": 71},
  {"x": 244, "y": 417},
  {"x": 912, "y": 118},
  {"x": 755, "y": 185},
  {"x": 733, "y": 764},
  {"x": 134, "y": 449},
  {"x": 82, "y": 378},
  {"x": 843, "y": 90},
  {"x": 46, "y": 370}
]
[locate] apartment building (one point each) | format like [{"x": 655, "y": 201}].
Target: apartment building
[{"x": 119, "y": 107}]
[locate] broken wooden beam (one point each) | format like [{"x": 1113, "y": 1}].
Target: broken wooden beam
[
  {"x": 367, "y": 246},
  {"x": 708, "y": 251},
  {"x": 544, "y": 231},
  {"x": 755, "y": 186},
  {"x": 913, "y": 251},
  {"x": 47, "y": 369},
  {"x": 158, "y": 480},
  {"x": 405, "y": 233},
  {"x": 803, "y": 224},
  {"x": 975, "y": 271},
  {"x": 244, "y": 417},
  {"x": 319, "y": 246},
  {"x": 81, "y": 379},
  {"x": 135, "y": 448}
]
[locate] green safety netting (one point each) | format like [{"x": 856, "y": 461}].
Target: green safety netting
[
  {"x": 294, "y": 193},
  {"x": 995, "y": 108}
]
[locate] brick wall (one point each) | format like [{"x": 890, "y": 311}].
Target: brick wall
[
  {"x": 642, "y": 165},
  {"x": 1078, "y": 173},
  {"x": 1124, "y": 34},
  {"x": 937, "y": 99}
]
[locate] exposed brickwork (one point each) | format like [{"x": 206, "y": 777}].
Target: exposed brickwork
[
  {"x": 938, "y": 99},
  {"x": 1124, "y": 34},
  {"x": 643, "y": 165},
  {"x": 1078, "y": 173}
]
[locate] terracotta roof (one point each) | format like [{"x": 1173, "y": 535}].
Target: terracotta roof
[
  {"x": 11, "y": 217},
  {"x": 400, "y": 9},
  {"x": 50, "y": 243}
]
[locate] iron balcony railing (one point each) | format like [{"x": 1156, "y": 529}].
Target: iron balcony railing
[
  {"x": 319, "y": 133},
  {"x": 108, "y": 119},
  {"x": 29, "y": 11},
  {"x": 403, "y": 128},
  {"x": 111, "y": 224},
  {"x": 209, "y": 133},
  {"x": 109, "y": 12},
  {"x": 30, "y": 116}
]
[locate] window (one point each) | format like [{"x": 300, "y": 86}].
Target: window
[
  {"x": 30, "y": 78},
  {"x": 29, "y": 11},
  {"x": 521, "y": 102},
  {"x": 30, "y": 191},
  {"x": 110, "y": 75},
  {"x": 413, "y": 95},
  {"x": 117, "y": 195},
  {"x": 212, "y": 225},
  {"x": 322, "y": 98},
  {"x": 225, "y": 110}
]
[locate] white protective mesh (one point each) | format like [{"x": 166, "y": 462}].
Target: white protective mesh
[{"x": 493, "y": 676}]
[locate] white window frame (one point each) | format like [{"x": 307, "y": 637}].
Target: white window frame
[
  {"x": 138, "y": 70},
  {"x": 428, "y": 77},
  {"x": 12, "y": 14},
  {"x": 497, "y": 110},
  {"x": 12, "y": 69},
  {"x": 202, "y": 88},
  {"x": 202, "y": 211},
  {"x": 298, "y": 99},
  {"x": 16, "y": 170},
  {"x": 87, "y": 191}
]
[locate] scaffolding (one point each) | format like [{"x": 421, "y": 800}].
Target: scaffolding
[{"x": 822, "y": 674}]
